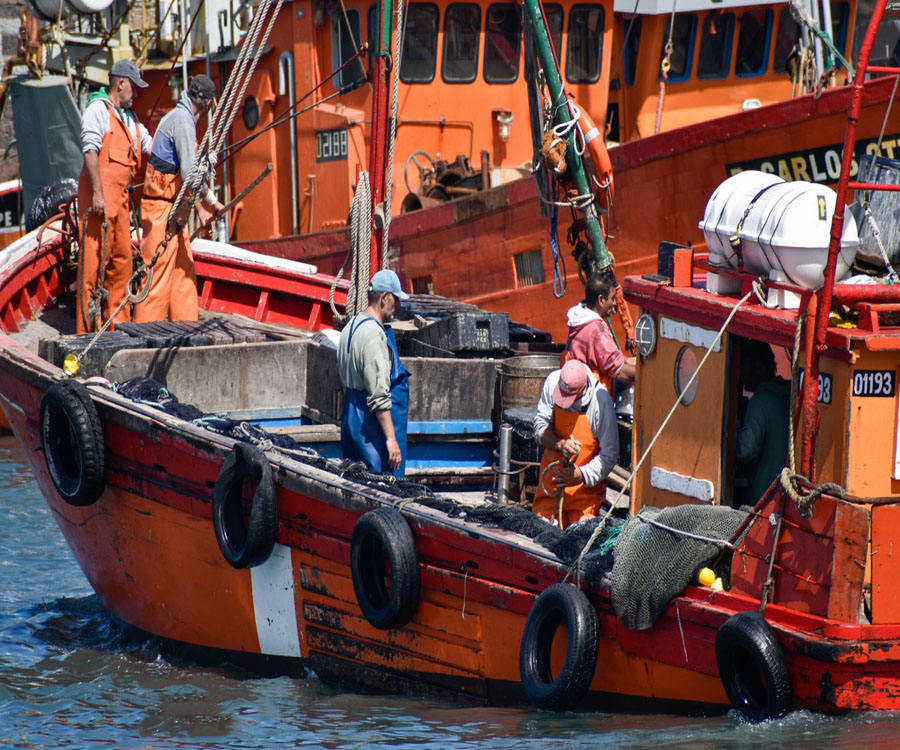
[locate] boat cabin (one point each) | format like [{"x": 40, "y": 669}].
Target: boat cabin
[{"x": 463, "y": 103}]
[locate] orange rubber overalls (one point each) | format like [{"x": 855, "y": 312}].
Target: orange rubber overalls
[
  {"x": 173, "y": 294},
  {"x": 120, "y": 160},
  {"x": 578, "y": 500}
]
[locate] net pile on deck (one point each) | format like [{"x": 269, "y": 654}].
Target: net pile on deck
[
  {"x": 564, "y": 544},
  {"x": 655, "y": 558}
]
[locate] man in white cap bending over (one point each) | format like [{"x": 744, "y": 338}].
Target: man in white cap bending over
[
  {"x": 376, "y": 385},
  {"x": 576, "y": 424}
]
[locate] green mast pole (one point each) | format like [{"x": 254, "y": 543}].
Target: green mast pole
[{"x": 562, "y": 115}]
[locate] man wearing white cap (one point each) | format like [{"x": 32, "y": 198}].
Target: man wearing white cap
[
  {"x": 113, "y": 142},
  {"x": 376, "y": 385},
  {"x": 173, "y": 293},
  {"x": 576, "y": 424}
]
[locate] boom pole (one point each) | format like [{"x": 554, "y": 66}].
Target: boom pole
[{"x": 562, "y": 114}]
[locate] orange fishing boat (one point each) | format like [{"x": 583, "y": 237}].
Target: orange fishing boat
[
  {"x": 196, "y": 525},
  {"x": 640, "y": 70}
]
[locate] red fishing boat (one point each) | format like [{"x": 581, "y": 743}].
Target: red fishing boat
[{"x": 788, "y": 604}]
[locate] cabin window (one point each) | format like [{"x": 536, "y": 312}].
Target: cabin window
[
  {"x": 345, "y": 42},
  {"x": 462, "y": 29},
  {"x": 417, "y": 63},
  {"x": 840, "y": 13},
  {"x": 423, "y": 284},
  {"x": 685, "y": 367},
  {"x": 529, "y": 268},
  {"x": 502, "y": 39},
  {"x": 373, "y": 29},
  {"x": 585, "y": 53},
  {"x": 753, "y": 43},
  {"x": 785, "y": 41},
  {"x": 554, "y": 16},
  {"x": 632, "y": 31},
  {"x": 682, "y": 47},
  {"x": 714, "y": 58}
]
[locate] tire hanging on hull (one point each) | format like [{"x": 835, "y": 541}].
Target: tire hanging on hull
[
  {"x": 245, "y": 545},
  {"x": 72, "y": 440},
  {"x": 557, "y": 603},
  {"x": 382, "y": 535},
  {"x": 752, "y": 667}
]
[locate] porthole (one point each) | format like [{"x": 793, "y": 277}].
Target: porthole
[
  {"x": 645, "y": 335},
  {"x": 685, "y": 367},
  {"x": 250, "y": 113}
]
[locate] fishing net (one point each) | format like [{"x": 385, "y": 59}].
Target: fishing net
[
  {"x": 654, "y": 564},
  {"x": 565, "y": 544}
]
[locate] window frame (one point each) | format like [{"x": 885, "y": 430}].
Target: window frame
[
  {"x": 689, "y": 59},
  {"x": 484, "y": 53},
  {"x": 767, "y": 54},
  {"x": 437, "y": 33},
  {"x": 725, "y": 69},
  {"x": 478, "y": 34},
  {"x": 344, "y": 77},
  {"x": 630, "y": 40},
  {"x": 572, "y": 11}
]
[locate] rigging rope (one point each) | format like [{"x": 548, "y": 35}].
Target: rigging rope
[{"x": 360, "y": 247}]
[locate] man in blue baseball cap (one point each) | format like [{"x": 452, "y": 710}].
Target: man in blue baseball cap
[{"x": 376, "y": 385}]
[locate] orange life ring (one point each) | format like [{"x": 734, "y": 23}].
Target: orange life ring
[{"x": 595, "y": 146}]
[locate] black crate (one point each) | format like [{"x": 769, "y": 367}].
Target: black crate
[
  {"x": 224, "y": 331},
  {"x": 163, "y": 333},
  {"x": 462, "y": 331},
  {"x": 524, "y": 447},
  {"x": 94, "y": 363}
]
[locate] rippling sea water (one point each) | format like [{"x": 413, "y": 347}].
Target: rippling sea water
[{"x": 73, "y": 676}]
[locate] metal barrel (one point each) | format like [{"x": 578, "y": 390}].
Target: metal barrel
[{"x": 522, "y": 377}]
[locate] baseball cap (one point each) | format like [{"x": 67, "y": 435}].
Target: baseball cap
[
  {"x": 127, "y": 69},
  {"x": 202, "y": 85},
  {"x": 573, "y": 379},
  {"x": 387, "y": 281}
]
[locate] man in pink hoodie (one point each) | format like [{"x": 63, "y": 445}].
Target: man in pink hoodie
[{"x": 590, "y": 338}]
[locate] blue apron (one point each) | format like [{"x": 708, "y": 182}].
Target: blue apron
[{"x": 362, "y": 438}]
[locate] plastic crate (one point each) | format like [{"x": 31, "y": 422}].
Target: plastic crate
[
  {"x": 462, "y": 332},
  {"x": 94, "y": 363}
]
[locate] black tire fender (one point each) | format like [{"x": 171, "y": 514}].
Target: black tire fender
[
  {"x": 560, "y": 602},
  {"x": 72, "y": 440},
  {"x": 752, "y": 667},
  {"x": 383, "y": 536},
  {"x": 48, "y": 202},
  {"x": 245, "y": 545}
]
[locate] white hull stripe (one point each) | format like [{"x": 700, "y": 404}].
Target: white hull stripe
[{"x": 273, "y": 604}]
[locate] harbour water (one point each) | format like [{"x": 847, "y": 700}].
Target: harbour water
[{"x": 72, "y": 676}]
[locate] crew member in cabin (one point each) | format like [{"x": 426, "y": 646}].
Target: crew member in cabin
[
  {"x": 590, "y": 338},
  {"x": 576, "y": 424},
  {"x": 113, "y": 142},
  {"x": 376, "y": 385},
  {"x": 762, "y": 440},
  {"x": 173, "y": 293}
]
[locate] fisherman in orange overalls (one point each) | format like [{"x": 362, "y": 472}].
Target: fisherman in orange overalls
[
  {"x": 173, "y": 291},
  {"x": 113, "y": 142},
  {"x": 576, "y": 424}
]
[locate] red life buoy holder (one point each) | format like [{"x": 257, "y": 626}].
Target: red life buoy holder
[{"x": 595, "y": 147}]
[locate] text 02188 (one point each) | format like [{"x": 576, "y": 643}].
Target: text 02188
[{"x": 331, "y": 144}]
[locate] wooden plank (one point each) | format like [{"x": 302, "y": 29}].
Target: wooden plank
[{"x": 849, "y": 565}]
